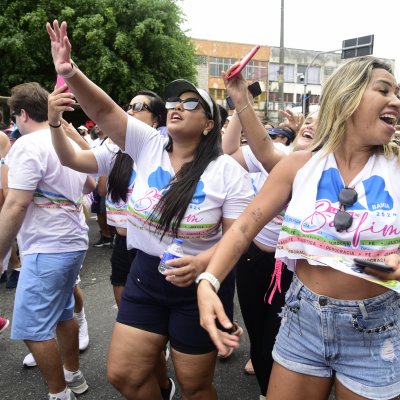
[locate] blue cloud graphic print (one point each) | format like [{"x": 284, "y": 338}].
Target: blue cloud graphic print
[
  {"x": 160, "y": 178},
  {"x": 377, "y": 197}
]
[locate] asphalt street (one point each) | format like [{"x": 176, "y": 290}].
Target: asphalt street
[{"x": 19, "y": 383}]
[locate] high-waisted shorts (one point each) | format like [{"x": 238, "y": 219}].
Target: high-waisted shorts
[{"x": 151, "y": 303}]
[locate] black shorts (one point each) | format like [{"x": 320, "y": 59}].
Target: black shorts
[
  {"x": 99, "y": 203},
  {"x": 151, "y": 303},
  {"x": 121, "y": 261}
]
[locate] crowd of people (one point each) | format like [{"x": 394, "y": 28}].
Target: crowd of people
[{"x": 255, "y": 208}]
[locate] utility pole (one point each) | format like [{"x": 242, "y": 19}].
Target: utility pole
[{"x": 281, "y": 60}]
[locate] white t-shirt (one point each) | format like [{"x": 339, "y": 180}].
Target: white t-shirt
[
  {"x": 54, "y": 222},
  {"x": 116, "y": 211},
  {"x": 223, "y": 191},
  {"x": 270, "y": 233}
]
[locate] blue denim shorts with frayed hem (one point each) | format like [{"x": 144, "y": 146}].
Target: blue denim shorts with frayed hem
[
  {"x": 44, "y": 294},
  {"x": 357, "y": 340}
]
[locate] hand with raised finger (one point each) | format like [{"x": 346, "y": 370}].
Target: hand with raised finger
[
  {"x": 60, "y": 47},
  {"x": 292, "y": 120}
]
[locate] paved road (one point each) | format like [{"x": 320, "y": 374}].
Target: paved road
[{"x": 18, "y": 383}]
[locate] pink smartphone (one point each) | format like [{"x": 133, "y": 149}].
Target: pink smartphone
[
  {"x": 60, "y": 81},
  {"x": 244, "y": 61}
]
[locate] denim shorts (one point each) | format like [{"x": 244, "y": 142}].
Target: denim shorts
[
  {"x": 44, "y": 294},
  {"x": 357, "y": 340},
  {"x": 151, "y": 303},
  {"x": 121, "y": 261}
]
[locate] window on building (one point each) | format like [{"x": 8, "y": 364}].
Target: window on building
[
  {"x": 254, "y": 70},
  {"x": 328, "y": 71},
  {"x": 313, "y": 74},
  {"x": 288, "y": 72}
]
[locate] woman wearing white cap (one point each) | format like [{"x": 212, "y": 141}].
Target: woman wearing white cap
[{"x": 184, "y": 187}]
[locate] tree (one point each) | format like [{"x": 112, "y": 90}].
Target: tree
[{"x": 122, "y": 45}]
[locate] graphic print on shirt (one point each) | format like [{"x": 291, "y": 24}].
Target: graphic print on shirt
[
  {"x": 46, "y": 199},
  {"x": 117, "y": 211},
  {"x": 158, "y": 184}
]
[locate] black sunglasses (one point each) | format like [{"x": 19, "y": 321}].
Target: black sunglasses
[
  {"x": 189, "y": 104},
  {"x": 13, "y": 115},
  {"x": 343, "y": 220},
  {"x": 139, "y": 106}
]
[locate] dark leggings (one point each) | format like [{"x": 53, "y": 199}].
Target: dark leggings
[{"x": 253, "y": 276}]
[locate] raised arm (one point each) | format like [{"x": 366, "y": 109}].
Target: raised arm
[
  {"x": 271, "y": 199},
  {"x": 231, "y": 141},
  {"x": 94, "y": 101},
  {"x": 256, "y": 135},
  {"x": 70, "y": 156}
]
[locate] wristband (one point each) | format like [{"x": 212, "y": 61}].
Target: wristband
[
  {"x": 71, "y": 73},
  {"x": 242, "y": 109},
  {"x": 55, "y": 126},
  {"x": 210, "y": 278}
]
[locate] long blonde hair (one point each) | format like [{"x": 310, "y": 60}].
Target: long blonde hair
[{"x": 341, "y": 96}]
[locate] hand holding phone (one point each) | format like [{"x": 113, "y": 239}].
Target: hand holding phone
[
  {"x": 61, "y": 81},
  {"x": 254, "y": 89},
  {"x": 244, "y": 62},
  {"x": 373, "y": 265}
]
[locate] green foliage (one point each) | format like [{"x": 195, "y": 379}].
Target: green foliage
[{"x": 122, "y": 45}]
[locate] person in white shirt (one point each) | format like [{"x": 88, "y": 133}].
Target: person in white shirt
[
  {"x": 44, "y": 204},
  {"x": 184, "y": 188}
]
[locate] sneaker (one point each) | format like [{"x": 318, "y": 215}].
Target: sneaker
[
  {"x": 3, "y": 277},
  {"x": 71, "y": 396},
  {"x": 168, "y": 394},
  {"x": 3, "y": 324},
  {"x": 83, "y": 334},
  {"x": 12, "y": 281},
  {"x": 103, "y": 241},
  {"x": 78, "y": 383},
  {"x": 29, "y": 361}
]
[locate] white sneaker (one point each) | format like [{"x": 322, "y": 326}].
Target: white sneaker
[
  {"x": 29, "y": 361},
  {"x": 83, "y": 334}
]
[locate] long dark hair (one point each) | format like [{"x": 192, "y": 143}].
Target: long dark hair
[
  {"x": 172, "y": 206},
  {"x": 120, "y": 176}
]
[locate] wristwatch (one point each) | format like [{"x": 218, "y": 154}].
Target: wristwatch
[{"x": 210, "y": 278}]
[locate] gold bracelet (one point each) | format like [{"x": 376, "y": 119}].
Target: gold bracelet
[{"x": 248, "y": 104}]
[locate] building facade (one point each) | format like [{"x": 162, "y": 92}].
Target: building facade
[{"x": 305, "y": 71}]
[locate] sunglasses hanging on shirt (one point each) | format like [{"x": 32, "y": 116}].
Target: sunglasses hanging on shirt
[{"x": 343, "y": 220}]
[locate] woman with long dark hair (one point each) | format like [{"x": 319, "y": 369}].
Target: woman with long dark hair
[{"x": 184, "y": 188}]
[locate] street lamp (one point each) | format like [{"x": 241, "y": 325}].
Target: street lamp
[{"x": 306, "y": 76}]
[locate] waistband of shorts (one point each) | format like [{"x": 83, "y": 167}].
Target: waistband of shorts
[
  {"x": 254, "y": 251},
  {"x": 301, "y": 291}
]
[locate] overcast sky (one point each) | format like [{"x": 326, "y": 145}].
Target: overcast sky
[{"x": 309, "y": 24}]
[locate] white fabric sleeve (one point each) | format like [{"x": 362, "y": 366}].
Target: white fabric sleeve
[
  {"x": 240, "y": 191},
  {"x": 105, "y": 157},
  {"x": 137, "y": 135},
  {"x": 26, "y": 167}
]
